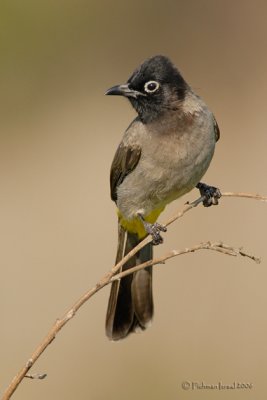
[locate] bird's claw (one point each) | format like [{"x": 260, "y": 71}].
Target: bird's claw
[
  {"x": 210, "y": 194},
  {"x": 154, "y": 230}
]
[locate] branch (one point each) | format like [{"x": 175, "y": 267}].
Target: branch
[
  {"x": 217, "y": 246},
  {"x": 113, "y": 275},
  {"x": 245, "y": 195},
  {"x": 36, "y": 376},
  {"x": 195, "y": 203}
]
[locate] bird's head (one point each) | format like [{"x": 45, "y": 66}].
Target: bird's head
[{"x": 155, "y": 87}]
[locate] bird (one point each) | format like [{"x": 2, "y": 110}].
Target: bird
[{"x": 163, "y": 155}]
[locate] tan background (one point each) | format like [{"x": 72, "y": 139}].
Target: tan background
[{"x": 58, "y": 225}]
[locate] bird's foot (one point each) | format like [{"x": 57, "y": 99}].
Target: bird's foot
[
  {"x": 154, "y": 230},
  {"x": 210, "y": 194}
]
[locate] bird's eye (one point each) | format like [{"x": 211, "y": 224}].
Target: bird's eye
[{"x": 151, "y": 86}]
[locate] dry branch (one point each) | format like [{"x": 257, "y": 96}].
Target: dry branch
[
  {"x": 217, "y": 246},
  {"x": 113, "y": 274},
  {"x": 36, "y": 376}
]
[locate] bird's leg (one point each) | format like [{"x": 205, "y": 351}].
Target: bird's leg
[
  {"x": 153, "y": 230},
  {"x": 210, "y": 194}
]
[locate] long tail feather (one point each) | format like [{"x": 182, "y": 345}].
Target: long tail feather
[{"x": 130, "y": 306}]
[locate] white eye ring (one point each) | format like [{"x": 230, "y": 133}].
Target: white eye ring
[{"x": 153, "y": 86}]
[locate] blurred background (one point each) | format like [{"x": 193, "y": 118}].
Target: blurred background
[{"x": 58, "y": 225}]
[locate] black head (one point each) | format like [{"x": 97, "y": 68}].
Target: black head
[{"x": 153, "y": 88}]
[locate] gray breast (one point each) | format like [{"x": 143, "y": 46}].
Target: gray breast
[{"x": 175, "y": 155}]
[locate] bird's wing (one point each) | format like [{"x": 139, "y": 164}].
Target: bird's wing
[
  {"x": 125, "y": 160},
  {"x": 216, "y": 129}
]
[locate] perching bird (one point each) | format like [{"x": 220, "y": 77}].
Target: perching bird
[{"x": 163, "y": 155}]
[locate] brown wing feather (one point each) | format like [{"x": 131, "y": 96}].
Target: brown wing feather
[{"x": 125, "y": 160}]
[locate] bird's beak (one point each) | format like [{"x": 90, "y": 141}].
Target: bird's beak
[{"x": 122, "y": 90}]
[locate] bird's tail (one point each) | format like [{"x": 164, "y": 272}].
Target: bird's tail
[{"x": 130, "y": 306}]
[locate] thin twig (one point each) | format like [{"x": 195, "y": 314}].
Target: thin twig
[
  {"x": 108, "y": 277},
  {"x": 245, "y": 195},
  {"x": 36, "y": 376},
  {"x": 217, "y": 246}
]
